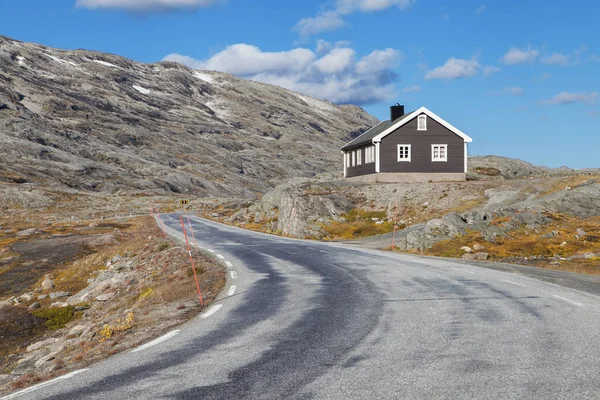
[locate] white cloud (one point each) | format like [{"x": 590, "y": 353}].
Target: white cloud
[
  {"x": 455, "y": 68},
  {"x": 489, "y": 70},
  {"x": 329, "y": 20},
  {"x": 570, "y": 98},
  {"x": 543, "y": 77},
  {"x": 594, "y": 58},
  {"x": 481, "y": 9},
  {"x": 518, "y": 56},
  {"x": 337, "y": 75},
  {"x": 412, "y": 89},
  {"x": 145, "y": 5},
  {"x": 557, "y": 59},
  {"x": 515, "y": 91},
  {"x": 323, "y": 47}
]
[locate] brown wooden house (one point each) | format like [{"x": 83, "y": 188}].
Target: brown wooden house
[{"x": 414, "y": 147}]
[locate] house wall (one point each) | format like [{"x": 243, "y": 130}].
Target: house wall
[
  {"x": 421, "y": 142},
  {"x": 360, "y": 169}
]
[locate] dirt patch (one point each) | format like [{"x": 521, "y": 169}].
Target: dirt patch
[{"x": 35, "y": 258}]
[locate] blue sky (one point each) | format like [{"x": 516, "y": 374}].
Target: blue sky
[{"x": 521, "y": 78}]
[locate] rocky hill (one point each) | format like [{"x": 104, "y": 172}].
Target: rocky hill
[{"x": 100, "y": 122}]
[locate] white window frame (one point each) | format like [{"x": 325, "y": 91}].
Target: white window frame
[
  {"x": 359, "y": 157},
  {"x": 439, "y": 158},
  {"x": 404, "y": 159},
  {"x": 369, "y": 154},
  {"x": 422, "y": 122},
  {"x": 353, "y": 158}
]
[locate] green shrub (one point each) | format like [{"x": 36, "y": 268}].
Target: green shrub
[{"x": 56, "y": 317}]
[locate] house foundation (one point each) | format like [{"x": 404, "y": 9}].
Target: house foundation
[{"x": 399, "y": 177}]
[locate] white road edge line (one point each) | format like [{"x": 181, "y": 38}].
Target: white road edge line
[
  {"x": 462, "y": 270},
  {"x": 43, "y": 384},
  {"x": 513, "y": 283},
  {"x": 231, "y": 290},
  {"x": 233, "y": 275},
  {"x": 228, "y": 264},
  {"x": 567, "y": 300},
  {"x": 213, "y": 310},
  {"x": 220, "y": 256},
  {"x": 156, "y": 341}
]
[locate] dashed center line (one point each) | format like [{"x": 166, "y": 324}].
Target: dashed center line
[
  {"x": 156, "y": 341},
  {"x": 228, "y": 264},
  {"x": 567, "y": 300},
  {"x": 231, "y": 290},
  {"x": 233, "y": 274},
  {"x": 513, "y": 283},
  {"x": 44, "y": 384},
  {"x": 220, "y": 256},
  {"x": 213, "y": 310}
]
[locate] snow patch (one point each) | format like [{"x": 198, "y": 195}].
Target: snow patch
[
  {"x": 203, "y": 76},
  {"x": 21, "y": 61},
  {"x": 218, "y": 108},
  {"x": 317, "y": 104},
  {"x": 141, "y": 89},
  {"x": 55, "y": 58},
  {"x": 106, "y": 64}
]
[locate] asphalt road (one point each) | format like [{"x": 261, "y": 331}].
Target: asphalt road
[{"x": 309, "y": 320}]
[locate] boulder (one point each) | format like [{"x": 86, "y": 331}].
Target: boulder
[
  {"x": 467, "y": 249},
  {"x": 581, "y": 233},
  {"x": 47, "y": 284},
  {"x": 481, "y": 256},
  {"x": 29, "y": 232},
  {"x": 550, "y": 235},
  {"x": 468, "y": 256},
  {"x": 478, "y": 247},
  {"x": 35, "y": 305},
  {"x": 26, "y": 297},
  {"x": 58, "y": 295}
]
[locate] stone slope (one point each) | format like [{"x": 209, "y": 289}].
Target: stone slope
[{"x": 100, "y": 122}]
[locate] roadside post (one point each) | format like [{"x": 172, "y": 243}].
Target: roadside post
[{"x": 191, "y": 260}]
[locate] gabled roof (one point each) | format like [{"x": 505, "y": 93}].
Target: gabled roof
[
  {"x": 381, "y": 130},
  {"x": 368, "y": 136}
]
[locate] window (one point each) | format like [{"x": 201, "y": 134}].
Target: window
[
  {"x": 404, "y": 152},
  {"x": 439, "y": 152},
  {"x": 359, "y": 157},
  {"x": 422, "y": 123},
  {"x": 347, "y": 159},
  {"x": 353, "y": 158},
  {"x": 370, "y": 154}
]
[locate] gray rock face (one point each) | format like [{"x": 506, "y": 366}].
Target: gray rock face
[
  {"x": 495, "y": 167},
  {"x": 58, "y": 295},
  {"x": 100, "y": 122}
]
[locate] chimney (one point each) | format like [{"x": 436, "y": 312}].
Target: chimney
[{"x": 396, "y": 111}]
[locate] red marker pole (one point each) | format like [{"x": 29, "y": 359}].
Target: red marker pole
[
  {"x": 191, "y": 260},
  {"x": 191, "y": 229}
]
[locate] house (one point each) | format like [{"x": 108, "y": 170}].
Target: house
[{"x": 415, "y": 147}]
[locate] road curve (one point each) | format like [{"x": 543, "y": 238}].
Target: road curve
[{"x": 310, "y": 320}]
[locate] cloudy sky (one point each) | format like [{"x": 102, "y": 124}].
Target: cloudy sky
[{"x": 521, "y": 78}]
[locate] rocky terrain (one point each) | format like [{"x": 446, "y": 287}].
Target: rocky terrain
[
  {"x": 94, "y": 289},
  {"x": 99, "y": 122},
  {"x": 522, "y": 213}
]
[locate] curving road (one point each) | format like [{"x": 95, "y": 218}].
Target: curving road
[{"x": 310, "y": 320}]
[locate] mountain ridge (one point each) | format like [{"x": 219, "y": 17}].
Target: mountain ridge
[{"x": 101, "y": 122}]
